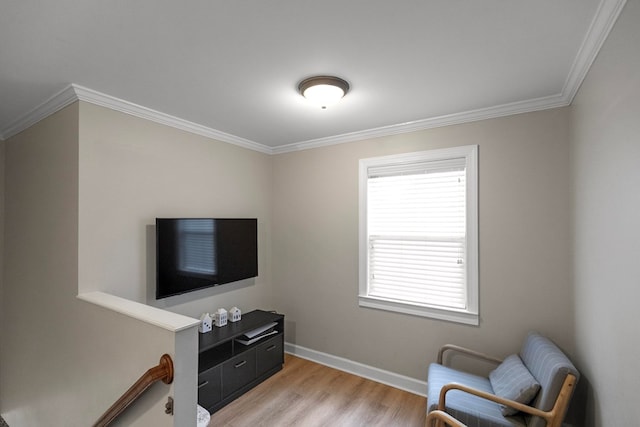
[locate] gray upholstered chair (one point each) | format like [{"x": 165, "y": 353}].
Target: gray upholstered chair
[{"x": 529, "y": 389}]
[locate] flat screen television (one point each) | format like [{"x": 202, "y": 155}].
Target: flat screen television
[{"x": 198, "y": 253}]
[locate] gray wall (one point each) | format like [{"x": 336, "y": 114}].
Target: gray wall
[
  {"x": 2, "y": 171},
  {"x": 132, "y": 171},
  {"x": 63, "y": 361},
  {"x": 524, "y": 245},
  {"x": 569, "y": 273},
  {"x": 40, "y": 259},
  {"x": 83, "y": 189},
  {"x": 606, "y": 173}
]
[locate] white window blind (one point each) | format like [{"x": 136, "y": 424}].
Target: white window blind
[
  {"x": 418, "y": 236},
  {"x": 197, "y": 241},
  {"x": 416, "y": 231}
]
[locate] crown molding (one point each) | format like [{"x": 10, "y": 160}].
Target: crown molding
[
  {"x": 603, "y": 21},
  {"x": 73, "y": 93},
  {"x": 55, "y": 103},
  {"x": 602, "y": 24},
  {"x": 553, "y": 101},
  {"x": 103, "y": 100}
]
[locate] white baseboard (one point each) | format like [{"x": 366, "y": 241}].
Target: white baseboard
[{"x": 379, "y": 375}]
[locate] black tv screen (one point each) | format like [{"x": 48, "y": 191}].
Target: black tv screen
[{"x": 197, "y": 253}]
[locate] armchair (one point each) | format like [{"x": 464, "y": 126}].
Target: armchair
[{"x": 530, "y": 389}]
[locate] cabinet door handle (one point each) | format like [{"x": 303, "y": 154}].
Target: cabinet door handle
[
  {"x": 240, "y": 364},
  {"x": 203, "y": 384},
  {"x": 271, "y": 347}
]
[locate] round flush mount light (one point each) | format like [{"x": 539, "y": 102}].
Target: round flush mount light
[{"x": 323, "y": 90}]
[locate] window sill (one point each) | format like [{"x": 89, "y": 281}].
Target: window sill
[{"x": 450, "y": 315}]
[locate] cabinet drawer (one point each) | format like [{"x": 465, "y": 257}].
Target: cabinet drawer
[
  {"x": 269, "y": 354},
  {"x": 209, "y": 387},
  {"x": 238, "y": 371}
]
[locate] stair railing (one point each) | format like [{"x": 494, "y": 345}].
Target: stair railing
[{"x": 162, "y": 372}]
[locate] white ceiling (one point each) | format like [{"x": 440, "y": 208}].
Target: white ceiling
[{"x": 231, "y": 68}]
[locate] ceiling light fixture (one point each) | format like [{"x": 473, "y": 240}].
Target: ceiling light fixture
[{"x": 323, "y": 90}]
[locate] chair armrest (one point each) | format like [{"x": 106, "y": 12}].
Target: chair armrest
[
  {"x": 438, "y": 417},
  {"x": 483, "y": 394},
  {"x": 468, "y": 352}
]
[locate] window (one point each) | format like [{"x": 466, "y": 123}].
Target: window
[{"x": 419, "y": 233}]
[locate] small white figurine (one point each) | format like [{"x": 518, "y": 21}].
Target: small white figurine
[
  {"x": 205, "y": 323},
  {"x": 220, "y": 317},
  {"x": 235, "y": 314}
]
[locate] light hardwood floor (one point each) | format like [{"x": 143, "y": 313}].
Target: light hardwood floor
[{"x": 308, "y": 394}]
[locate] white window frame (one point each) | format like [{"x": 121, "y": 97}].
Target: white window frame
[{"x": 469, "y": 314}]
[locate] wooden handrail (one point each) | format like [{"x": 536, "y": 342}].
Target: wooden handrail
[{"x": 162, "y": 372}]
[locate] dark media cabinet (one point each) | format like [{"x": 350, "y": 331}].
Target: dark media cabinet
[{"x": 227, "y": 369}]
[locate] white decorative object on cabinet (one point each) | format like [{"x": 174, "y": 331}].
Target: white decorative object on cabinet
[
  {"x": 220, "y": 317},
  {"x": 205, "y": 323},
  {"x": 235, "y": 314}
]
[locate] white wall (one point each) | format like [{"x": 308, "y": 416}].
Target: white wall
[
  {"x": 2, "y": 171},
  {"x": 134, "y": 170},
  {"x": 128, "y": 171},
  {"x": 524, "y": 245},
  {"x": 63, "y": 361},
  {"x": 85, "y": 186},
  {"x": 40, "y": 258},
  {"x": 606, "y": 174}
]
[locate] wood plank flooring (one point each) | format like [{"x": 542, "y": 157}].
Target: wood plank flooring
[{"x": 308, "y": 394}]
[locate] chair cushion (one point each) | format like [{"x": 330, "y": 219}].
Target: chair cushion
[
  {"x": 469, "y": 409},
  {"x": 548, "y": 364},
  {"x": 512, "y": 380}
]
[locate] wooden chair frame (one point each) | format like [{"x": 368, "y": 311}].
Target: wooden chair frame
[
  {"x": 440, "y": 418},
  {"x": 553, "y": 417},
  {"x": 467, "y": 352},
  {"x": 437, "y": 418}
]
